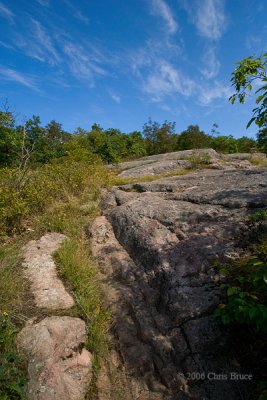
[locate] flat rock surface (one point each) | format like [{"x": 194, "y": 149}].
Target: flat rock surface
[
  {"x": 48, "y": 290},
  {"x": 170, "y": 162},
  {"x": 58, "y": 370},
  {"x": 157, "y": 246}
]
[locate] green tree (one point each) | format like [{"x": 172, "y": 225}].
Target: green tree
[
  {"x": 159, "y": 138},
  {"x": 262, "y": 139},
  {"x": 225, "y": 144},
  {"x": 10, "y": 140},
  {"x": 55, "y": 137},
  {"x": 193, "y": 138},
  {"x": 248, "y": 72},
  {"x": 136, "y": 146},
  {"x": 245, "y": 144}
]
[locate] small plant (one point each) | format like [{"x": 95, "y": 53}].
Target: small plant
[
  {"x": 199, "y": 160},
  {"x": 259, "y": 216},
  {"x": 247, "y": 292},
  {"x": 258, "y": 161}
]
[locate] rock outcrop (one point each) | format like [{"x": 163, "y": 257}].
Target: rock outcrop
[
  {"x": 168, "y": 163},
  {"x": 39, "y": 266},
  {"x": 158, "y": 244},
  {"x": 57, "y": 369}
]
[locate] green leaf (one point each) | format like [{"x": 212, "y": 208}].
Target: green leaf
[
  {"x": 233, "y": 290},
  {"x": 250, "y": 122},
  {"x": 259, "y": 98}
]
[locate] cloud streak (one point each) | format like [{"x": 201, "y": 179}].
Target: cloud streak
[
  {"x": 9, "y": 74},
  {"x": 208, "y": 16},
  {"x": 6, "y": 12},
  {"x": 45, "y": 43},
  {"x": 161, "y": 9},
  {"x": 166, "y": 80},
  {"x": 212, "y": 64},
  {"x": 81, "y": 63},
  {"x": 207, "y": 93},
  {"x": 44, "y": 3}
]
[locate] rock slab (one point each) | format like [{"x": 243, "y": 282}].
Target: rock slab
[
  {"x": 158, "y": 245},
  {"x": 48, "y": 290},
  {"x": 57, "y": 369}
]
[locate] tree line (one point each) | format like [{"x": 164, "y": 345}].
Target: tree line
[{"x": 39, "y": 144}]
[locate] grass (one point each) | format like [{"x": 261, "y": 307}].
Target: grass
[
  {"x": 12, "y": 291},
  {"x": 258, "y": 161},
  {"x": 77, "y": 268}
]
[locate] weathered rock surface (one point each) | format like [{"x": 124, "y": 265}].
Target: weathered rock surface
[
  {"x": 40, "y": 269},
  {"x": 157, "y": 247},
  {"x": 166, "y": 163},
  {"x": 57, "y": 369}
]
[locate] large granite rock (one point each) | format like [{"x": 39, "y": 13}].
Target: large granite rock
[
  {"x": 158, "y": 246},
  {"x": 40, "y": 268},
  {"x": 58, "y": 368},
  {"x": 160, "y": 164}
]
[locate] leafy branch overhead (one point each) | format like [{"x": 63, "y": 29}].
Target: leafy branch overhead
[{"x": 252, "y": 71}]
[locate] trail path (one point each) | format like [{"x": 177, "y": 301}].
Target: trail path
[{"x": 59, "y": 367}]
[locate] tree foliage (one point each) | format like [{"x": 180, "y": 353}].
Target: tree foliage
[
  {"x": 35, "y": 144},
  {"x": 159, "y": 138},
  {"x": 252, "y": 71},
  {"x": 193, "y": 138}
]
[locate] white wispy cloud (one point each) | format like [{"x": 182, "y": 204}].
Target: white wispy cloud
[
  {"x": 81, "y": 63},
  {"x": 115, "y": 97},
  {"x": 6, "y": 12},
  {"x": 76, "y": 12},
  {"x": 161, "y": 9},
  {"x": 15, "y": 76},
  {"x": 211, "y": 63},
  {"x": 209, "y": 93},
  {"x": 6, "y": 45},
  {"x": 47, "y": 48},
  {"x": 167, "y": 80},
  {"x": 38, "y": 44},
  {"x": 44, "y": 3},
  {"x": 208, "y": 16}
]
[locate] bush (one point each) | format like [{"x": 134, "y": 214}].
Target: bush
[
  {"x": 247, "y": 290},
  {"x": 199, "y": 160},
  {"x": 25, "y": 194}
]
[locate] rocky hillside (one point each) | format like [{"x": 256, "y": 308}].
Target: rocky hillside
[{"x": 158, "y": 245}]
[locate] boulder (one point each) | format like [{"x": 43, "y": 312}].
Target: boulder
[{"x": 59, "y": 367}]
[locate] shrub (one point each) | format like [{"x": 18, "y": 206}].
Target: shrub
[
  {"x": 24, "y": 194},
  {"x": 199, "y": 160},
  {"x": 246, "y": 293},
  {"x": 259, "y": 161}
]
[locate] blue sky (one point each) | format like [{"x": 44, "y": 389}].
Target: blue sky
[{"x": 117, "y": 62}]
